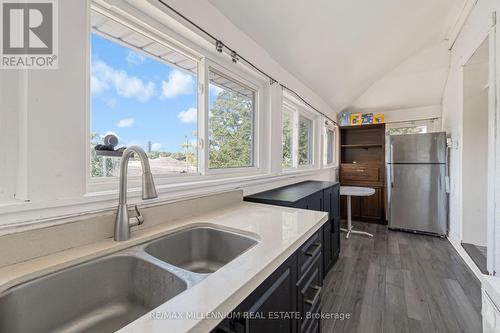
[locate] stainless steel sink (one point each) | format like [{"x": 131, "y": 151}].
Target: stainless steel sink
[
  {"x": 105, "y": 294},
  {"x": 200, "y": 249},
  {"x": 99, "y": 296}
]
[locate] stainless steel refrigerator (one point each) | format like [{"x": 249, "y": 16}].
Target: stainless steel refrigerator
[{"x": 416, "y": 172}]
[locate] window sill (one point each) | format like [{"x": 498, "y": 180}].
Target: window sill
[
  {"x": 27, "y": 213},
  {"x": 301, "y": 170}
]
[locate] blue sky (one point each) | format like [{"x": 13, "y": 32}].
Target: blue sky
[{"x": 140, "y": 98}]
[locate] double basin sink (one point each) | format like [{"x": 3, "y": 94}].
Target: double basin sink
[{"x": 105, "y": 294}]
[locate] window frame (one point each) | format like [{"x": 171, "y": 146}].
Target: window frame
[
  {"x": 204, "y": 61},
  {"x": 432, "y": 124},
  {"x": 291, "y": 115},
  {"x": 330, "y": 127},
  {"x": 258, "y": 89},
  {"x": 424, "y": 127},
  {"x": 310, "y": 141},
  {"x": 103, "y": 183},
  {"x": 298, "y": 109}
]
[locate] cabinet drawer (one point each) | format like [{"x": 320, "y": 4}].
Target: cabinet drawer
[
  {"x": 314, "y": 323},
  {"x": 308, "y": 252},
  {"x": 309, "y": 294},
  {"x": 367, "y": 173}
]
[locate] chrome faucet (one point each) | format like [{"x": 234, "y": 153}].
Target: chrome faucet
[{"x": 123, "y": 222}]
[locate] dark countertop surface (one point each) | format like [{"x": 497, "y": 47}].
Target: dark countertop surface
[{"x": 290, "y": 193}]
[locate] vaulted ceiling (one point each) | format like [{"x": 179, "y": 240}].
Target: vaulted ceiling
[{"x": 354, "y": 52}]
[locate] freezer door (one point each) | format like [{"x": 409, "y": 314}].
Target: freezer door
[
  {"x": 418, "y": 148},
  {"x": 418, "y": 198}
]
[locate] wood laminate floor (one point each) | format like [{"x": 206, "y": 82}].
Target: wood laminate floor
[{"x": 400, "y": 282}]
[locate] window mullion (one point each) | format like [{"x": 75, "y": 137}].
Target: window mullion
[
  {"x": 295, "y": 140},
  {"x": 203, "y": 116}
]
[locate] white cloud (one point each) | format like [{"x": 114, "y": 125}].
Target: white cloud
[
  {"x": 156, "y": 146},
  {"x": 128, "y": 122},
  {"x": 178, "y": 83},
  {"x": 188, "y": 116},
  {"x": 133, "y": 58},
  {"x": 104, "y": 77},
  {"x": 97, "y": 85},
  {"x": 214, "y": 90}
]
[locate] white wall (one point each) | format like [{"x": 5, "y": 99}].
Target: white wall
[
  {"x": 411, "y": 91},
  {"x": 471, "y": 36},
  {"x": 344, "y": 47},
  {"x": 417, "y": 82},
  {"x": 475, "y": 149},
  {"x": 413, "y": 114},
  {"x": 9, "y": 114},
  {"x": 43, "y": 118},
  {"x": 44, "y": 113}
]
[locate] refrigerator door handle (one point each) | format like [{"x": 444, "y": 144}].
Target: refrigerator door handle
[{"x": 391, "y": 165}]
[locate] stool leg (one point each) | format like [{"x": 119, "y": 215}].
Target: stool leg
[
  {"x": 349, "y": 222},
  {"x": 349, "y": 213}
]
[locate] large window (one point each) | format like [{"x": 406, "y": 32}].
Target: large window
[
  {"x": 142, "y": 93},
  {"x": 230, "y": 122},
  {"x": 407, "y": 130},
  {"x": 298, "y": 125}
]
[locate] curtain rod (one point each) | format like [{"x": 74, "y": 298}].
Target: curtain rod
[{"x": 220, "y": 46}]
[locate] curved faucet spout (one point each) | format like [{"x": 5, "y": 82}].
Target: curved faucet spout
[{"x": 123, "y": 223}]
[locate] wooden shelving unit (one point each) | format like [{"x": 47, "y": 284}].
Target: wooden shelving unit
[{"x": 362, "y": 163}]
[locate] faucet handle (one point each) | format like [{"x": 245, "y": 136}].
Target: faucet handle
[{"x": 138, "y": 219}]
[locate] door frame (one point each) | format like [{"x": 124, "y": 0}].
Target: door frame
[
  {"x": 493, "y": 166},
  {"x": 493, "y": 226}
]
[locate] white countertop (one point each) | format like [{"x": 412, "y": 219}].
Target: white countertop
[{"x": 280, "y": 230}]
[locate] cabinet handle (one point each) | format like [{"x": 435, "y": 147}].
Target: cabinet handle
[
  {"x": 316, "y": 295},
  {"x": 315, "y": 251}
]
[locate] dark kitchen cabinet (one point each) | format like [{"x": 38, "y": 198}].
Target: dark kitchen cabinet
[
  {"x": 372, "y": 206},
  {"x": 260, "y": 312},
  {"x": 335, "y": 220},
  {"x": 284, "y": 301},
  {"x": 331, "y": 231},
  {"x": 309, "y": 295},
  {"x": 313, "y": 195},
  {"x": 315, "y": 201}
]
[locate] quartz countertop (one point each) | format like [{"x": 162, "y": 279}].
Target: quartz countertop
[{"x": 280, "y": 231}]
